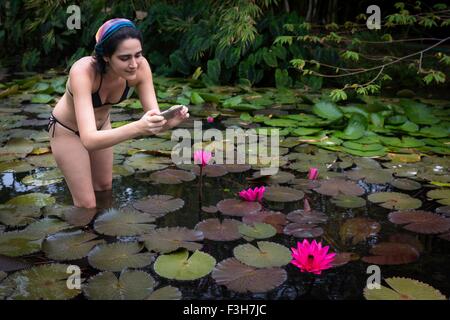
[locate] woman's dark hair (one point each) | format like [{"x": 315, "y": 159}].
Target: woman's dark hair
[{"x": 111, "y": 44}]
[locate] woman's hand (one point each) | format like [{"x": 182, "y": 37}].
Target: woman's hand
[
  {"x": 151, "y": 123},
  {"x": 180, "y": 116}
]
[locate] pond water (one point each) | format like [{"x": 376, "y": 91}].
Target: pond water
[{"x": 354, "y": 225}]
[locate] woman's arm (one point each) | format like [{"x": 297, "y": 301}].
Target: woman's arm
[
  {"x": 145, "y": 88},
  {"x": 93, "y": 139},
  {"x": 147, "y": 96}
]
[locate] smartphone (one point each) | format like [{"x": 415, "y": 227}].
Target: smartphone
[{"x": 169, "y": 114}]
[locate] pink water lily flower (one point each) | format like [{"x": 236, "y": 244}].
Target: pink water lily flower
[
  {"x": 210, "y": 119},
  {"x": 202, "y": 157},
  {"x": 250, "y": 194},
  {"x": 313, "y": 173},
  {"x": 312, "y": 257}
]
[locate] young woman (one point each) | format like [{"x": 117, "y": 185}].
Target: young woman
[{"x": 81, "y": 137}]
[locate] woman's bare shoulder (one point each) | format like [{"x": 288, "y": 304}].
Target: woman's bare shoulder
[{"x": 83, "y": 67}]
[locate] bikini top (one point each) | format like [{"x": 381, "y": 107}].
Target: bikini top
[{"x": 97, "y": 102}]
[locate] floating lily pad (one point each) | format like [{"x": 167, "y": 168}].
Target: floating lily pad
[
  {"x": 371, "y": 175},
  {"x": 237, "y": 168},
  {"x": 359, "y": 229},
  {"x": 213, "y": 229},
  {"x": 394, "y": 200},
  {"x": 17, "y": 147},
  {"x": 442, "y": 196},
  {"x": 234, "y": 207},
  {"x": 32, "y": 199},
  {"x": 335, "y": 187},
  {"x": 15, "y": 166},
  {"x": 170, "y": 239},
  {"x": 44, "y": 282},
  {"x": 44, "y": 178},
  {"x": 211, "y": 170},
  {"x": 11, "y": 264},
  {"x": 159, "y": 204},
  {"x": 345, "y": 201},
  {"x": 122, "y": 171},
  {"x": 165, "y": 293},
  {"x": 119, "y": 255},
  {"x": 283, "y": 194},
  {"x": 303, "y": 230},
  {"x": 144, "y": 162},
  {"x": 279, "y": 178},
  {"x": 307, "y": 217},
  {"x": 210, "y": 209},
  {"x": 18, "y": 216},
  {"x": 131, "y": 285},
  {"x": 123, "y": 223},
  {"x": 257, "y": 230},
  {"x": 266, "y": 255},
  {"x": 70, "y": 245},
  {"x": 342, "y": 258},
  {"x": 275, "y": 219},
  {"x": 43, "y": 160},
  {"x": 47, "y": 226},
  {"x": 19, "y": 243},
  {"x": 420, "y": 221},
  {"x": 239, "y": 277},
  {"x": 404, "y": 289},
  {"x": 79, "y": 216},
  {"x": 153, "y": 144},
  {"x": 171, "y": 176},
  {"x": 408, "y": 239},
  {"x": 406, "y": 184},
  {"x": 179, "y": 266},
  {"x": 387, "y": 253}
]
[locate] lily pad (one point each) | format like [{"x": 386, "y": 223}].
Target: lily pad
[
  {"x": 144, "y": 162},
  {"x": 239, "y": 277},
  {"x": 387, "y": 253},
  {"x": 47, "y": 226},
  {"x": 350, "y": 202},
  {"x": 359, "y": 229},
  {"x": 15, "y": 166},
  {"x": 442, "y": 196},
  {"x": 283, "y": 194},
  {"x": 371, "y": 175},
  {"x": 79, "y": 216},
  {"x": 18, "y": 216},
  {"x": 420, "y": 221},
  {"x": 266, "y": 255},
  {"x": 44, "y": 282},
  {"x": 123, "y": 223},
  {"x": 406, "y": 184},
  {"x": 70, "y": 245},
  {"x": 234, "y": 207},
  {"x": 165, "y": 293},
  {"x": 274, "y": 218},
  {"x": 404, "y": 289},
  {"x": 307, "y": 217},
  {"x": 394, "y": 200},
  {"x": 170, "y": 239},
  {"x": 119, "y": 255},
  {"x": 179, "y": 266},
  {"x": 159, "y": 204},
  {"x": 211, "y": 170},
  {"x": 335, "y": 187},
  {"x": 172, "y": 176},
  {"x": 303, "y": 230},
  {"x": 19, "y": 243},
  {"x": 32, "y": 199},
  {"x": 44, "y": 178},
  {"x": 257, "y": 230},
  {"x": 131, "y": 285},
  {"x": 214, "y": 229}
]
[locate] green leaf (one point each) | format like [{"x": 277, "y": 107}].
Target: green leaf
[{"x": 327, "y": 110}]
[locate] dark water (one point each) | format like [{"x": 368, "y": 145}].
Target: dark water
[{"x": 344, "y": 282}]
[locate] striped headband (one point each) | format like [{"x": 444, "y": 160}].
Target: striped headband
[{"x": 108, "y": 29}]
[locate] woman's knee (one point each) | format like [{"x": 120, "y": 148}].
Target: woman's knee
[
  {"x": 103, "y": 186},
  {"x": 87, "y": 201}
]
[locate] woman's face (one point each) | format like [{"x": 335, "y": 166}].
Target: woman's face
[{"x": 126, "y": 59}]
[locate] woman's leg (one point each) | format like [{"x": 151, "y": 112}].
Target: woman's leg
[
  {"x": 74, "y": 162},
  {"x": 101, "y": 162}
]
